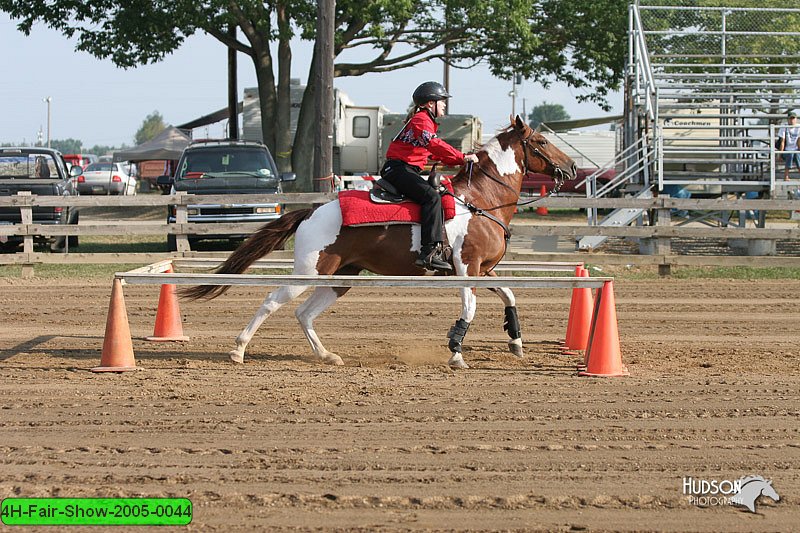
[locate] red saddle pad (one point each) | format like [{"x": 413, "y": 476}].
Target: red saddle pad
[{"x": 359, "y": 210}]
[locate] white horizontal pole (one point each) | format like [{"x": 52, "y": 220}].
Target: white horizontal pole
[
  {"x": 439, "y": 282},
  {"x": 517, "y": 266}
]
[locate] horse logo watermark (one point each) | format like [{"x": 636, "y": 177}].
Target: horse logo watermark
[
  {"x": 744, "y": 491},
  {"x": 751, "y": 487}
]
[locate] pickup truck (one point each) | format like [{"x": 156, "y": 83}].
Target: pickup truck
[
  {"x": 218, "y": 167},
  {"x": 42, "y": 172}
]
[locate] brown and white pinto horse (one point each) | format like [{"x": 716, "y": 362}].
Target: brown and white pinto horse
[{"x": 486, "y": 196}]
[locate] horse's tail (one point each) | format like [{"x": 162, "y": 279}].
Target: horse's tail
[{"x": 270, "y": 237}]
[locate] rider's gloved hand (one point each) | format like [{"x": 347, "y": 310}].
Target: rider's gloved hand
[{"x": 470, "y": 158}]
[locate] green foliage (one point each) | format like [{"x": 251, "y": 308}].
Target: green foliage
[
  {"x": 546, "y": 112},
  {"x": 67, "y": 271},
  {"x": 66, "y": 146},
  {"x": 130, "y": 33},
  {"x": 101, "y": 149},
  {"x": 736, "y": 273},
  {"x": 580, "y": 42},
  {"x": 151, "y": 126}
]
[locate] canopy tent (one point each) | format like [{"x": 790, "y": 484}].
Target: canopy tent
[
  {"x": 566, "y": 125},
  {"x": 168, "y": 144}
]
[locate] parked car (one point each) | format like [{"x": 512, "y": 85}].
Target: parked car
[
  {"x": 533, "y": 181},
  {"x": 42, "y": 172},
  {"x": 106, "y": 178},
  {"x": 226, "y": 167}
]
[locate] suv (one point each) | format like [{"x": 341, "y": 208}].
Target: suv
[
  {"x": 225, "y": 167},
  {"x": 42, "y": 172}
]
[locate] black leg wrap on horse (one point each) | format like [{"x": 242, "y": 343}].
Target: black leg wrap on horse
[
  {"x": 457, "y": 334},
  {"x": 511, "y": 323}
]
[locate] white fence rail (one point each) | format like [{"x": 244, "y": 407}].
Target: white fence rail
[{"x": 662, "y": 233}]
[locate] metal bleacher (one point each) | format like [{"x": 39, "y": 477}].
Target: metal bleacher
[{"x": 707, "y": 90}]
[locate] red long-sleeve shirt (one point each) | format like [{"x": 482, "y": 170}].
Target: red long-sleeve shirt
[{"x": 418, "y": 142}]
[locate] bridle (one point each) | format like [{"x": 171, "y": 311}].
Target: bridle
[{"x": 558, "y": 172}]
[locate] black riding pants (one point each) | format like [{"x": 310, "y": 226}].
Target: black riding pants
[{"x": 407, "y": 180}]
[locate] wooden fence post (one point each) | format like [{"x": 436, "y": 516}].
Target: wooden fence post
[
  {"x": 26, "y": 217},
  {"x": 181, "y": 218}
]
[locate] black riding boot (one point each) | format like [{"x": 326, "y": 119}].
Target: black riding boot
[{"x": 430, "y": 258}]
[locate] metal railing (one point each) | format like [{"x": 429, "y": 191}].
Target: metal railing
[{"x": 736, "y": 61}]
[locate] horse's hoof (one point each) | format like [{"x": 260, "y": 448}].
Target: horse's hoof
[
  {"x": 515, "y": 347},
  {"x": 457, "y": 361},
  {"x": 236, "y": 357},
  {"x": 333, "y": 359}
]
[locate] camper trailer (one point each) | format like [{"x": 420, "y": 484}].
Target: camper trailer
[{"x": 361, "y": 133}]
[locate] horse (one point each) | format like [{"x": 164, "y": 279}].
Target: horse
[
  {"x": 486, "y": 197},
  {"x": 751, "y": 488}
]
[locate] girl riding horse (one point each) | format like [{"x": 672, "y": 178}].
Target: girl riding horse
[{"x": 486, "y": 198}]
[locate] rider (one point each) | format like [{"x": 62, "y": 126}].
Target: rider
[{"x": 407, "y": 155}]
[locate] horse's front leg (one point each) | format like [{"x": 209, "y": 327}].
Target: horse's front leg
[
  {"x": 511, "y": 322},
  {"x": 459, "y": 330}
]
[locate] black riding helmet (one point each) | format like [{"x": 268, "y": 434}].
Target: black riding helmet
[{"x": 430, "y": 91}]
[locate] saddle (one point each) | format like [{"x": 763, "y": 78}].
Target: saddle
[{"x": 383, "y": 192}]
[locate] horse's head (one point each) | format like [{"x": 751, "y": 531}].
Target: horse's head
[
  {"x": 768, "y": 491},
  {"x": 541, "y": 156}
]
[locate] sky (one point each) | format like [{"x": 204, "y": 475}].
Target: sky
[{"x": 100, "y": 104}]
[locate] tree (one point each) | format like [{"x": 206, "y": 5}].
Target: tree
[
  {"x": 580, "y": 42},
  {"x": 67, "y": 146},
  {"x": 99, "y": 149},
  {"x": 546, "y": 112},
  {"x": 151, "y": 126}
]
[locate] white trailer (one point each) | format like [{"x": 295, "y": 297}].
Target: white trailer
[{"x": 361, "y": 134}]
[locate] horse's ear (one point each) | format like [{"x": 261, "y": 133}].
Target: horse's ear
[{"x": 519, "y": 123}]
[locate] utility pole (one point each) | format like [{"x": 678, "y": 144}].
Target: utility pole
[
  {"x": 446, "y": 74},
  {"x": 516, "y": 79},
  {"x": 323, "y": 136},
  {"x": 233, "y": 97},
  {"x": 48, "y": 100}
]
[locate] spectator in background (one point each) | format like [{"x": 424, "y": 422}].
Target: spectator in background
[{"x": 788, "y": 135}]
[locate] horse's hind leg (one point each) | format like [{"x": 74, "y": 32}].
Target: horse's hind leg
[
  {"x": 319, "y": 301},
  {"x": 511, "y": 322},
  {"x": 272, "y": 303}
]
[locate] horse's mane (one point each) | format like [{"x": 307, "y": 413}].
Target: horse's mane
[
  {"x": 497, "y": 134},
  {"x": 748, "y": 479}
]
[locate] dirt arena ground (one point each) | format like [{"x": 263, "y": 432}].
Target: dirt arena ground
[{"x": 395, "y": 440}]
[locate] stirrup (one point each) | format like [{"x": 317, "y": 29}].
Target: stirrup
[{"x": 433, "y": 261}]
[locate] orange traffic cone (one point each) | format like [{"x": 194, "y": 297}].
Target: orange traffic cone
[
  {"x": 603, "y": 356},
  {"x": 117, "y": 353},
  {"x": 542, "y": 193},
  {"x": 578, "y": 270},
  {"x": 168, "y": 317},
  {"x": 580, "y": 318}
]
